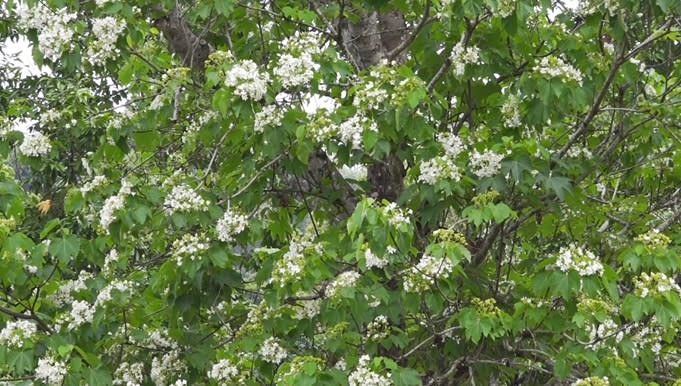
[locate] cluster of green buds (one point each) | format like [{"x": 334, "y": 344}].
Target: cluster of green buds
[
  {"x": 653, "y": 239},
  {"x": 449, "y": 235},
  {"x": 595, "y": 306},
  {"x": 487, "y": 307},
  {"x": 483, "y": 199}
]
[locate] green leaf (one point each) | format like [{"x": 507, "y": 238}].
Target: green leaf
[
  {"x": 406, "y": 377},
  {"x": 633, "y": 307},
  {"x": 65, "y": 247}
]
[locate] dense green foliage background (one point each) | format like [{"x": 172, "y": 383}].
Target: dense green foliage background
[{"x": 341, "y": 192}]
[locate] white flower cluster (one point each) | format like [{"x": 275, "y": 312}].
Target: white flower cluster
[
  {"x": 35, "y": 144},
  {"x": 423, "y": 275},
  {"x": 64, "y": 294},
  {"x": 224, "y": 372},
  {"x": 656, "y": 283},
  {"x": 165, "y": 367},
  {"x": 461, "y": 56},
  {"x": 199, "y": 121},
  {"x": 437, "y": 169},
  {"x": 231, "y": 224},
  {"x": 364, "y": 376},
  {"x": 16, "y": 332},
  {"x": 111, "y": 258},
  {"x": 112, "y": 204},
  {"x": 292, "y": 263},
  {"x": 378, "y": 329},
  {"x": 553, "y": 66},
  {"x": 54, "y": 34},
  {"x": 50, "y": 371},
  {"x": 650, "y": 335},
  {"x": 182, "y": 198},
  {"x": 599, "y": 332},
  {"x": 81, "y": 312},
  {"x": 307, "y": 309},
  {"x": 576, "y": 152},
  {"x": 510, "y": 111},
  {"x": 189, "y": 247},
  {"x": 370, "y": 93},
  {"x": 247, "y": 80},
  {"x": 128, "y": 374},
  {"x": 579, "y": 259},
  {"x": 106, "y": 31},
  {"x": 452, "y": 144},
  {"x": 371, "y": 260},
  {"x": 295, "y": 71},
  {"x": 303, "y": 42},
  {"x": 96, "y": 182},
  {"x": 321, "y": 127},
  {"x": 505, "y": 8},
  {"x": 396, "y": 216},
  {"x": 485, "y": 164},
  {"x": 105, "y": 295},
  {"x": 271, "y": 351},
  {"x": 346, "y": 279},
  {"x": 357, "y": 172},
  {"x": 352, "y": 130},
  {"x": 270, "y": 115}
]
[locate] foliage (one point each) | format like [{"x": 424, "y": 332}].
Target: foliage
[{"x": 250, "y": 192}]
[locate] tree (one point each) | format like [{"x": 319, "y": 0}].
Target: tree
[{"x": 341, "y": 192}]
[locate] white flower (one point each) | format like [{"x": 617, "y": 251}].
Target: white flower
[
  {"x": 106, "y": 31},
  {"x": 35, "y": 144},
  {"x": 452, "y": 144},
  {"x": 355, "y": 172},
  {"x": 364, "y": 376},
  {"x": 395, "y": 215},
  {"x": 105, "y": 295},
  {"x": 127, "y": 374},
  {"x": 182, "y": 198},
  {"x": 270, "y": 115},
  {"x": 247, "y": 81},
  {"x": 308, "y": 310},
  {"x": 461, "y": 56},
  {"x": 424, "y": 274},
  {"x": 291, "y": 265},
  {"x": 437, "y": 169},
  {"x": 510, "y": 112},
  {"x": 231, "y": 224},
  {"x": 656, "y": 283},
  {"x": 294, "y": 71},
  {"x": 112, "y": 204},
  {"x": 485, "y": 164},
  {"x": 223, "y": 371},
  {"x": 81, "y": 312},
  {"x": 505, "y": 8},
  {"x": 16, "y": 332},
  {"x": 346, "y": 279},
  {"x": 165, "y": 367},
  {"x": 96, "y": 182},
  {"x": 54, "y": 34},
  {"x": 190, "y": 246},
  {"x": 352, "y": 130},
  {"x": 581, "y": 260},
  {"x": 50, "y": 371},
  {"x": 372, "y": 260},
  {"x": 553, "y": 66},
  {"x": 271, "y": 351}
]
